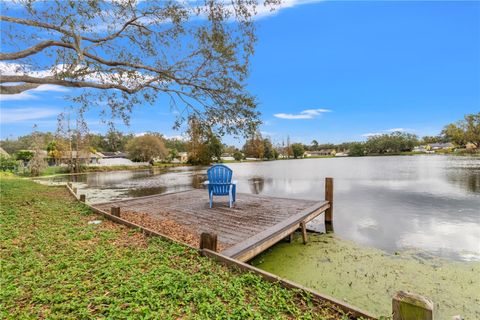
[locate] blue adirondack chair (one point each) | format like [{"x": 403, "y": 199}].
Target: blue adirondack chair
[{"x": 220, "y": 183}]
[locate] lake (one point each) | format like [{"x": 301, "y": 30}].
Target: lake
[
  {"x": 407, "y": 223},
  {"x": 430, "y": 203}
]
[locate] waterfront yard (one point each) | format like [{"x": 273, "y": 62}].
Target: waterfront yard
[{"x": 57, "y": 265}]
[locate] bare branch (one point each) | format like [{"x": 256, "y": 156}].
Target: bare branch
[
  {"x": 18, "y": 88},
  {"x": 33, "y": 50},
  {"x": 49, "y": 26},
  {"x": 65, "y": 83}
]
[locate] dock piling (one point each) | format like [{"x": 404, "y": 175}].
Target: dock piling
[
  {"x": 303, "y": 226},
  {"x": 329, "y": 198},
  {"x": 74, "y": 190},
  {"x": 82, "y": 198},
  {"x": 208, "y": 241},
  {"x": 115, "y": 211},
  {"x": 411, "y": 306}
]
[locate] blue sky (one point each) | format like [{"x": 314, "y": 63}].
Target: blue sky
[{"x": 331, "y": 71}]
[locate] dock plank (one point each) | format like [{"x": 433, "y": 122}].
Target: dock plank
[{"x": 252, "y": 225}]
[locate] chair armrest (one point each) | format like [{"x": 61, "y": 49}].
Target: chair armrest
[{"x": 206, "y": 183}]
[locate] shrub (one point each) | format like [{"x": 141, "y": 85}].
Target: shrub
[{"x": 8, "y": 164}]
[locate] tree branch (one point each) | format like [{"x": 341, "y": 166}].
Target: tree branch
[
  {"x": 33, "y": 23},
  {"x": 33, "y": 50},
  {"x": 17, "y": 88},
  {"x": 61, "y": 82}
]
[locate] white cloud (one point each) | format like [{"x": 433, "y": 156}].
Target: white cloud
[
  {"x": 25, "y": 114},
  {"x": 51, "y": 88},
  {"x": 27, "y": 95},
  {"x": 7, "y": 68},
  {"x": 15, "y": 97},
  {"x": 305, "y": 114},
  {"x": 265, "y": 11}
]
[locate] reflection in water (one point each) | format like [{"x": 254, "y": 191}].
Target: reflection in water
[
  {"x": 146, "y": 191},
  {"x": 256, "y": 184},
  {"x": 198, "y": 179},
  {"x": 426, "y": 202},
  {"x": 468, "y": 178}
]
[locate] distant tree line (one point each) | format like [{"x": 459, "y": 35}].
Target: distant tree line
[{"x": 204, "y": 145}]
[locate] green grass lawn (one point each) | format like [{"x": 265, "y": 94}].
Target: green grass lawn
[{"x": 56, "y": 265}]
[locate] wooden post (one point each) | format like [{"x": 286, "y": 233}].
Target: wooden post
[
  {"x": 411, "y": 306},
  {"x": 82, "y": 198},
  {"x": 115, "y": 211},
  {"x": 208, "y": 241},
  {"x": 329, "y": 198},
  {"x": 74, "y": 190},
  {"x": 291, "y": 237},
  {"x": 303, "y": 226}
]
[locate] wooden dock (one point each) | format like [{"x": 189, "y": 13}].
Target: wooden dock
[{"x": 254, "y": 224}]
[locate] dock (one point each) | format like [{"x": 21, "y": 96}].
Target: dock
[
  {"x": 252, "y": 225},
  {"x": 230, "y": 236}
]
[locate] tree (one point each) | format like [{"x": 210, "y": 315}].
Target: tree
[
  {"x": 288, "y": 149},
  {"x": 268, "y": 149},
  {"x": 314, "y": 145},
  {"x": 391, "y": 143},
  {"x": 213, "y": 147},
  {"x": 24, "y": 155},
  {"x": 204, "y": 144},
  {"x": 25, "y": 142},
  {"x": 432, "y": 139},
  {"x": 146, "y": 148},
  {"x": 73, "y": 140},
  {"x": 53, "y": 151},
  {"x": 298, "y": 150},
  {"x": 237, "y": 155},
  {"x": 177, "y": 144},
  {"x": 464, "y": 131},
  {"x": 37, "y": 164},
  {"x": 254, "y": 147},
  {"x": 455, "y": 133},
  {"x": 357, "y": 149},
  {"x": 193, "y": 52}
]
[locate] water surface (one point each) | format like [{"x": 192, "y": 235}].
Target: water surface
[
  {"x": 430, "y": 203},
  {"x": 401, "y": 223}
]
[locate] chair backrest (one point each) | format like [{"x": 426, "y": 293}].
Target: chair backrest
[{"x": 219, "y": 178}]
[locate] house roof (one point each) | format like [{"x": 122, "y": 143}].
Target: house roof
[
  {"x": 81, "y": 154},
  {"x": 110, "y": 154},
  {"x": 441, "y": 145}
]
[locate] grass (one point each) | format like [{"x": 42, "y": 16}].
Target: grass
[
  {"x": 56, "y": 265},
  {"x": 168, "y": 164}
]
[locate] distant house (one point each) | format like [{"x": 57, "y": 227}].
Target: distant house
[
  {"x": 440, "y": 146},
  {"x": 83, "y": 156},
  {"x": 470, "y": 146},
  {"x": 4, "y": 153},
  {"x": 227, "y": 157},
  {"x": 113, "y": 155},
  {"x": 342, "y": 154},
  {"x": 420, "y": 149},
  {"x": 323, "y": 152},
  {"x": 182, "y": 157}
]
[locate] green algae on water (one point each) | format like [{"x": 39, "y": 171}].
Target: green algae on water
[{"x": 368, "y": 278}]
